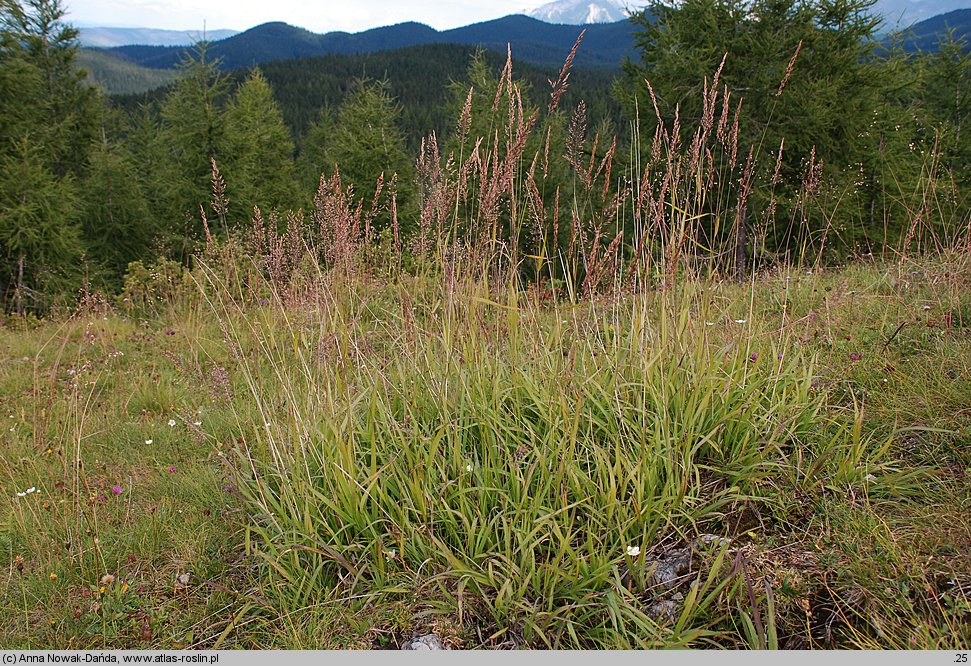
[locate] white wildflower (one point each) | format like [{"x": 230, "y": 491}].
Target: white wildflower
[
  {"x": 741, "y": 321},
  {"x": 171, "y": 423},
  {"x": 633, "y": 551},
  {"x": 149, "y": 441},
  {"x": 30, "y": 490}
]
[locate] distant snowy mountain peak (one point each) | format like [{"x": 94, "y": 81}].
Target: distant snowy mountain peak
[
  {"x": 896, "y": 13},
  {"x": 581, "y": 12}
]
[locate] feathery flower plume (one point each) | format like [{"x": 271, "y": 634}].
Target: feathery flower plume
[
  {"x": 562, "y": 81},
  {"x": 792, "y": 62}
]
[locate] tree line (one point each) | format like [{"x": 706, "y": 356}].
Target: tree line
[{"x": 877, "y": 138}]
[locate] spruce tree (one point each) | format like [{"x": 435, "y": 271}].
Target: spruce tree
[
  {"x": 143, "y": 139},
  {"x": 54, "y": 105},
  {"x": 313, "y": 159},
  {"x": 946, "y": 88},
  {"x": 523, "y": 145},
  {"x": 20, "y": 80},
  {"x": 803, "y": 71}
]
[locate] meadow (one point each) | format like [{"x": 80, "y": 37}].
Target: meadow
[
  {"x": 260, "y": 454},
  {"x": 517, "y": 421},
  {"x": 393, "y": 459}
]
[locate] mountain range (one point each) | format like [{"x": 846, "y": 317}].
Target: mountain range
[
  {"x": 925, "y": 35},
  {"x": 896, "y": 14},
  {"x": 899, "y": 14},
  {"x": 604, "y": 46}
]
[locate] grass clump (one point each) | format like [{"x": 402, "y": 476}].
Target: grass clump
[{"x": 528, "y": 465}]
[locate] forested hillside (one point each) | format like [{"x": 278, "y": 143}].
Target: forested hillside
[
  {"x": 418, "y": 79},
  {"x": 532, "y": 41},
  {"x": 925, "y": 35},
  {"x": 118, "y": 76}
]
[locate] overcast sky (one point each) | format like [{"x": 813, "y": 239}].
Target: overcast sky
[{"x": 315, "y": 15}]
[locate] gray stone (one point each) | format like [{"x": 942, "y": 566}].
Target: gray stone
[
  {"x": 708, "y": 539},
  {"x": 668, "y": 610},
  {"x": 667, "y": 571},
  {"x": 428, "y": 642}
]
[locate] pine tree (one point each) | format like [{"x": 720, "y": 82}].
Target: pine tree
[{"x": 258, "y": 164}]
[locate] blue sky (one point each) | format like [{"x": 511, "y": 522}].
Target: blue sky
[{"x": 315, "y": 15}]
